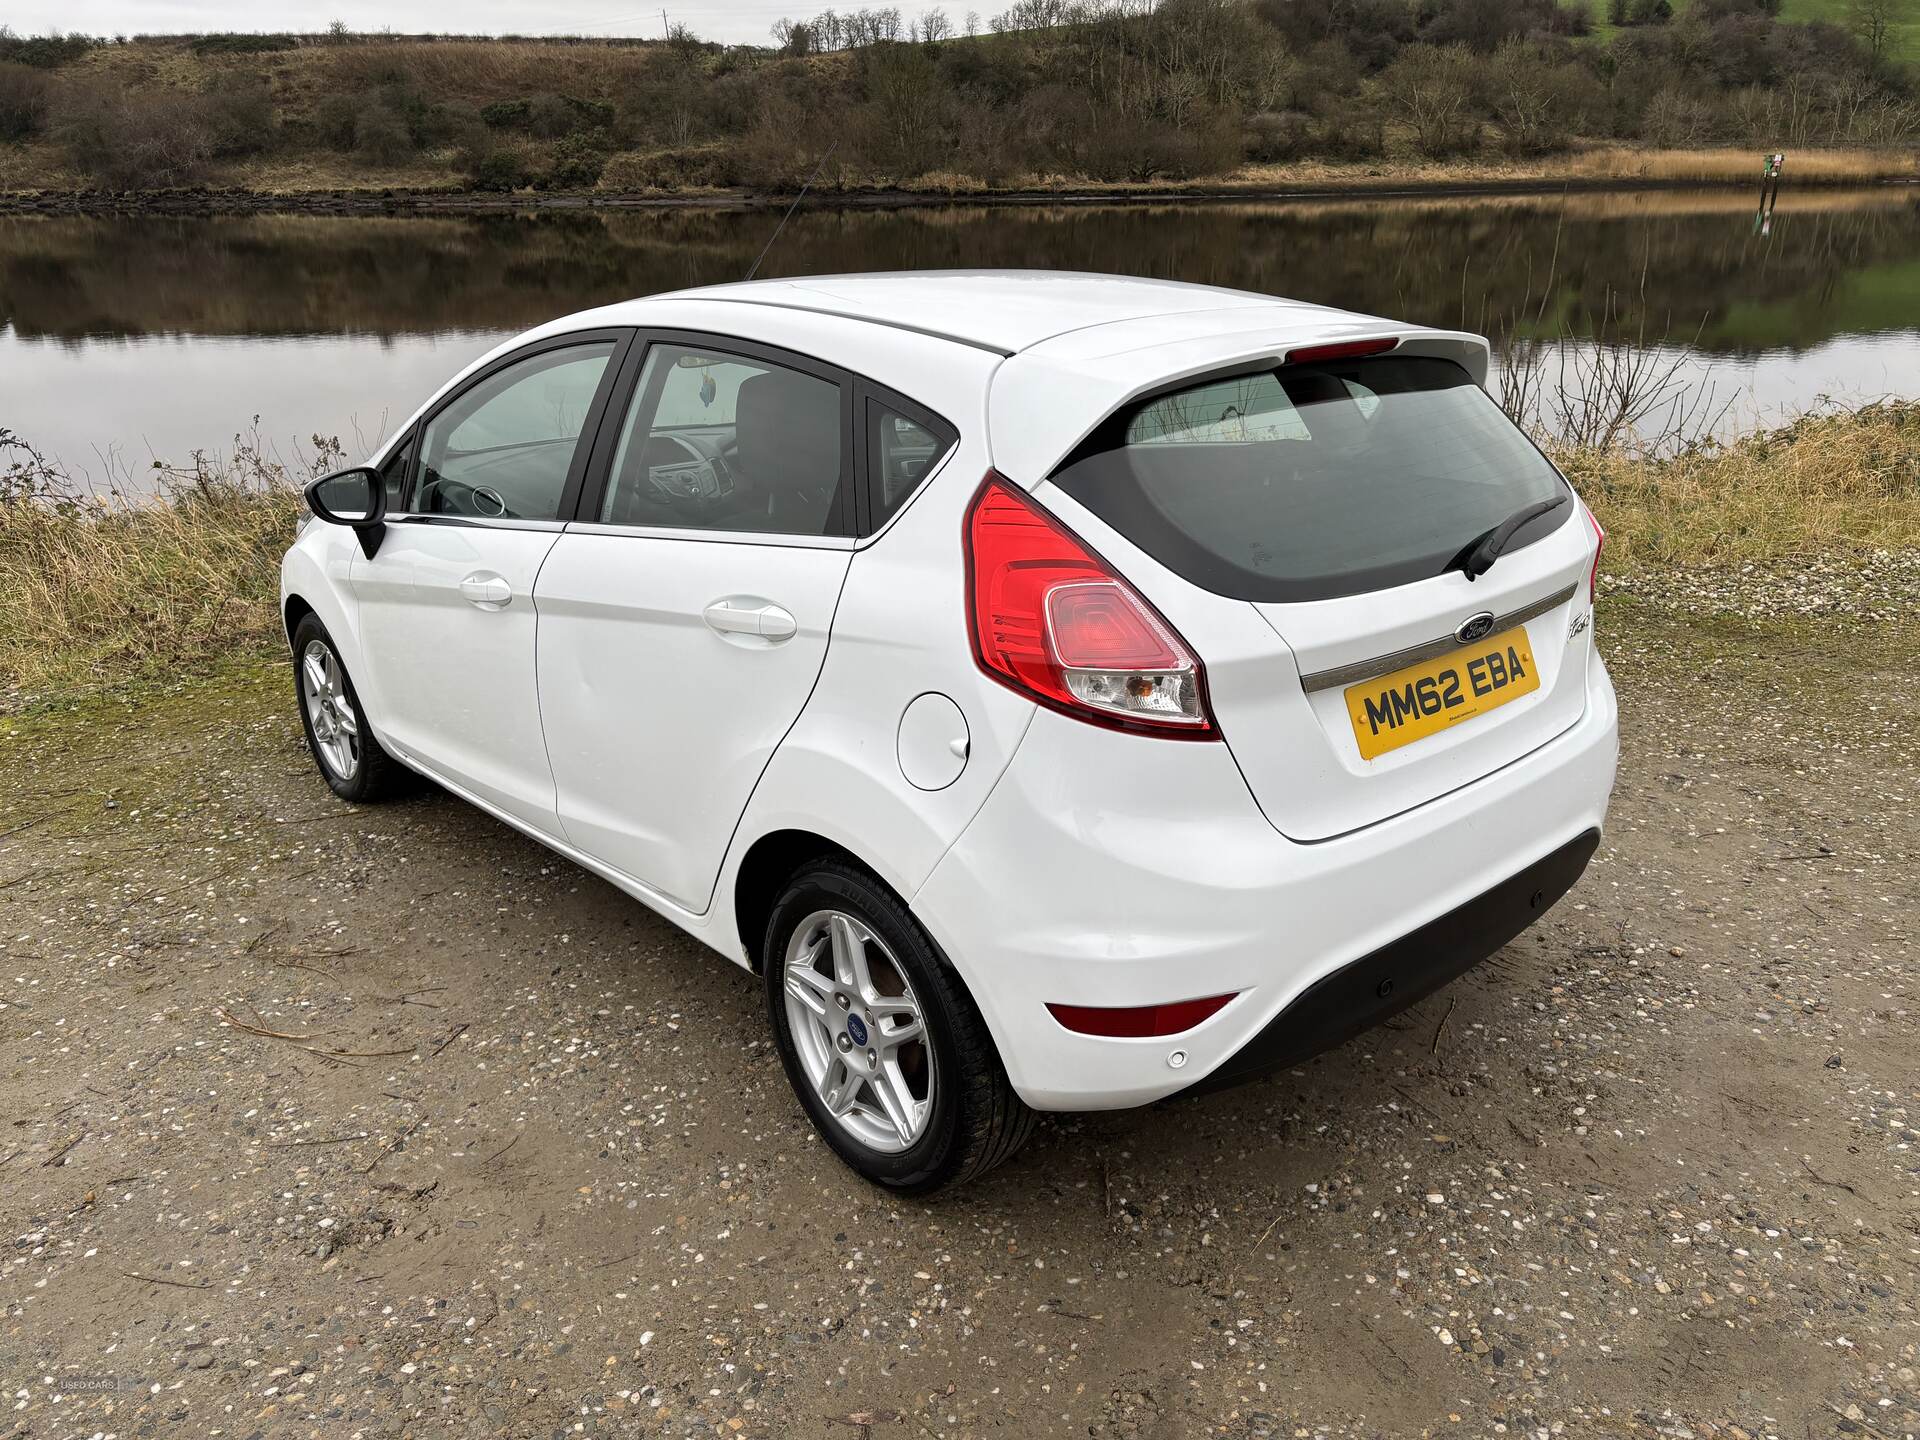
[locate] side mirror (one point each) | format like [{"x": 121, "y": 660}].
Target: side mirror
[{"x": 355, "y": 498}]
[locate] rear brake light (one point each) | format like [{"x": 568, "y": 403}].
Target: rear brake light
[
  {"x": 1345, "y": 350},
  {"x": 1050, "y": 618},
  {"x": 1599, "y": 544},
  {"x": 1137, "y": 1022}
]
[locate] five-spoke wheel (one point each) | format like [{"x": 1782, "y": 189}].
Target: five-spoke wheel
[
  {"x": 323, "y": 690},
  {"x": 344, "y": 747},
  {"x": 857, "y": 1025},
  {"x": 885, "y": 1048}
]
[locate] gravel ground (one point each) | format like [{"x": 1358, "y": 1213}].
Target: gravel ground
[{"x": 1652, "y": 1171}]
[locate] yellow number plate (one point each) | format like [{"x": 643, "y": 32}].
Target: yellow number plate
[{"x": 1421, "y": 700}]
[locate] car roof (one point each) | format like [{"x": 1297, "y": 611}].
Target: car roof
[
  {"x": 1003, "y": 310},
  {"x": 1058, "y": 350}
]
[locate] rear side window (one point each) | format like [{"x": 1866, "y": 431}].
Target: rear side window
[
  {"x": 902, "y": 450},
  {"x": 1310, "y": 482}
]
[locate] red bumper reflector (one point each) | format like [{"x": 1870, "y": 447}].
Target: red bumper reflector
[{"x": 1138, "y": 1022}]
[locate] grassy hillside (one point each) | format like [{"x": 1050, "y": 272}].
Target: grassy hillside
[
  {"x": 1904, "y": 36},
  {"x": 1058, "y": 93},
  {"x": 1906, "y": 28}
]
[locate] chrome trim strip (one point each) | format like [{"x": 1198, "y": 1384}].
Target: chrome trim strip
[
  {"x": 718, "y": 537},
  {"x": 476, "y": 522},
  {"x": 1431, "y": 649}
]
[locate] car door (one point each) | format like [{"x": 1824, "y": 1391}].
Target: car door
[
  {"x": 684, "y": 617},
  {"x": 447, "y": 601}
]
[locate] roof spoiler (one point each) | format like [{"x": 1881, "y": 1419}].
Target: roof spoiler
[{"x": 1043, "y": 405}]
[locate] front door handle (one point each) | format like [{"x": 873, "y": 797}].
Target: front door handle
[
  {"x": 486, "y": 590},
  {"x": 749, "y": 615}
]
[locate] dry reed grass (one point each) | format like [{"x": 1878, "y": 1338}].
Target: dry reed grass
[
  {"x": 1705, "y": 165},
  {"x": 478, "y": 71},
  {"x": 1849, "y": 480},
  {"x": 95, "y": 588},
  {"x": 1601, "y": 163}
]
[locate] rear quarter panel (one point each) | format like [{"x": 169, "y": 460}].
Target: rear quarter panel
[{"x": 900, "y": 632}]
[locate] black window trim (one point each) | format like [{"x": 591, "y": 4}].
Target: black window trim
[
  {"x": 401, "y": 443},
  {"x": 870, "y": 395},
  {"x": 599, "y": 467},
  {"x": 622, "y": 339}
]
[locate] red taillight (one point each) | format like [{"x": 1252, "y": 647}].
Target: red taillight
[
  {"x": 1050, "y": 618},
  {"x": 1345, "y": 350},
  {"x": 1137, "y": 1022},
  {"x": 1599, "y": 544}
]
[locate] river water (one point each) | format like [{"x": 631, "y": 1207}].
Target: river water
[{"x": 125, "y": 340}]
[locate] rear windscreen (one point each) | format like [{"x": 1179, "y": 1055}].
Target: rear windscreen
[{"x": 1308, "y": 482}]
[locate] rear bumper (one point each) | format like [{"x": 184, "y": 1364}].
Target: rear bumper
[
  {"x": 1120, "y": 870},
  {"x": 1364, "y": 992}
]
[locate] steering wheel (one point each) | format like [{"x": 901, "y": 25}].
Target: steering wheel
[
  {"x": 456, "y": 497},
  {"x": 692, "y": 479}
]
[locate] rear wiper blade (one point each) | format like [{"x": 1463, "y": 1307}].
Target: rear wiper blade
[{"x": 1478, "y": 558}]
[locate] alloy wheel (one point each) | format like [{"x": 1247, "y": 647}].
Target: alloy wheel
[
  {"x": 323, "y": 689},
  {"x": 859, "y": 1031}
]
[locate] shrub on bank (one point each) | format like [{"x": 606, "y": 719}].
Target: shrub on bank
[
  {"x": 683, "y": 167},
  {"x": 497, "y": 168},
  {"x": 44, "y": 52},
  {"x": 134, "y": 139},
  {"x": 23, "y": 102},
  {"x": 239, "y": 43},
  {"x": 575, "y": 163}
]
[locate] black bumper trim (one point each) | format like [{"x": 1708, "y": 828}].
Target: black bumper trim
[{"x": 1358, "y": 996}]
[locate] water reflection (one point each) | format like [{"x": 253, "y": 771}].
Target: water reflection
[{"x": 159, "y": 334}]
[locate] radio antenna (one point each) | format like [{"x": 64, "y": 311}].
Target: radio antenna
[{"x": 755, "y": 269}]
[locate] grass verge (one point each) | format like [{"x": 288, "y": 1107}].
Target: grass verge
[
  {"x": 96, "y": 589},
  {"x": 1848, "y": 481},
  {"x": 99, "y": 591}
]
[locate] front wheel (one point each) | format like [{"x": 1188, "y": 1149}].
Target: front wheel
[
  {"x": 882, "y": 1043},
  {"x": 342, "y": 742}
]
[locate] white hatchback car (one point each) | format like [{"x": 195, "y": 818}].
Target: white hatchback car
[{"x": 1065, "y": 690}]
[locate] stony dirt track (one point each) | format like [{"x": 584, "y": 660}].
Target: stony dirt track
[{"x": 1650, "y": 1172}]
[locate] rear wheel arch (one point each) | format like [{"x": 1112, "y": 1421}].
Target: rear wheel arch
[{"x": 764, "y": 871}]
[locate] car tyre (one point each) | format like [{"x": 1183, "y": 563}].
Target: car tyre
[
  {"x": 339, "y": 738},
  {"x": 963, "y": 1115}
]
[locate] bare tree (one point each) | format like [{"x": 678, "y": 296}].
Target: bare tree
[
  {"x": 935, "y": 26},
  {"x": 1872, "y": 23},
  {"x": 1431, "y": 86}
]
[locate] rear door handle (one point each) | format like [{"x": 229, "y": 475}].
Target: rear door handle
[
  {"x": 486, "y": 590},
  {"x": 747, "y": 615}
]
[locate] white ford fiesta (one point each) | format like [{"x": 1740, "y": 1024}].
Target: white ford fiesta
[{"x": 1065, "y": 690}]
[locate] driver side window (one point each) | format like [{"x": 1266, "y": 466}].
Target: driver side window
[
  {"x": 503, "y": 448},
  {"x": 714, "y": 441}
]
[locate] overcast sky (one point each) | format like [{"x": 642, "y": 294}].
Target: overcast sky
[{"x": 734, "y": 21}]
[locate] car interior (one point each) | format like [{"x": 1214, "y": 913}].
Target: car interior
[{"x": 723, "y": 443}]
